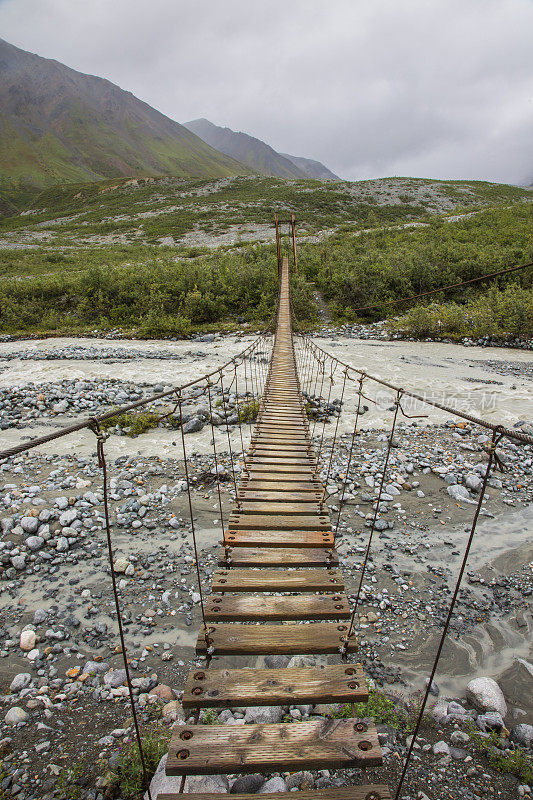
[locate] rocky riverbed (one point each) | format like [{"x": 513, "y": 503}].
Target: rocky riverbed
[{"x": 60, "y": 661}]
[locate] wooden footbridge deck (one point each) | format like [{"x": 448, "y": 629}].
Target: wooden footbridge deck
[{"x": 279, "y": 545}]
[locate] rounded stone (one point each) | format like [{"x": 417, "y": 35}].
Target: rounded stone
[
  {"x": 29, "y": 524},
  {"x": 486, "y": 695},
  {"x": 20, "y": 681},
  {"x": 16, "y": 715},
  {"x": 27, "y": 640}
]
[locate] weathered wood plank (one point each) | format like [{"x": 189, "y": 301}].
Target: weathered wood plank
[
  {"x": 216, "y": 688},
  {"x": 303, "y": 508},
  {"x": 286, "y": 472},
  {"x": 248, "y": 495},
  {"x": 282, "y": 639},
  {"x": 276, "y": 557},
  {"x": 245, "y": 608},
  {"x": 279, "y": 485},
  {"x": 331, "y": 744},
  {"x": 265, "y": 521},
  {"x": 277, "y": 538},
  {"x": 277, "y": 580},
  {"x": 367, "y": 792}
]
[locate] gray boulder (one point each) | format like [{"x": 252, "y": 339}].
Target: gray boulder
[
  {"x": 29, "y": 524},
  {"x": 96, "y": 668},
  {"x": 40, "y": 615},
  {"x": 263, "y": 714},
  {"x": 247, "y": 784},
  {"x": 16, "y": 715},
  {"x": 302, "y": 778},
  {"x": 212, "y": 784},
  {"x": 523, "y": 735},
  {"x": 491, "y": 721},
  {"x": 441, "y": 749},
  {"x": 473, "y": 482},
  {"x": 459, "y": 493},
  {"x": 115, "y": 678},
  {"x": 20, "y": 681},
  {"x": 276, "y": 662},
  {"x": 34, "y": 543},
  {"x": 459, "y": 738},
  {"x": 486, "y": 695},
  {"x": 273, "y": 785},
  {"x": 194, "y": 425},
  {"x": 162, "y": 783}
]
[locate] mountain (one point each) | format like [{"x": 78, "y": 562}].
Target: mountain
[
  {"x": 59, "y": 125},
  {"x": 244, "y": 148},
  {"x": 256, "y": 154},
  {"x": 312, "y": 169}
]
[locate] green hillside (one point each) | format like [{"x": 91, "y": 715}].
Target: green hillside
[{"x": 59, "y": 125}]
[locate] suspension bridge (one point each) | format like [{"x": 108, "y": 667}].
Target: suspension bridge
[
  {"x": 279, "y": 543},
  {"x": 278, "y": 589}
]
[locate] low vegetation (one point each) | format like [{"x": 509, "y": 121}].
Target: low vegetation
[
  {"x": 132, "y": 423},
  {"x": 501, "y": 314},
  {"x": 383, "y": 709},
  {"x": 128, "y": 776},
  {"x": 154, "y": 299},
  {"x": 502, "y": 756},
  {"x": 104, "y": 264},
  {"x": 248, "y": 411},
  {"x": 379, "y": 267}
]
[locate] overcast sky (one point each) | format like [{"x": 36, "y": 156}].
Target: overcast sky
[{"x": 431, "y": 88}]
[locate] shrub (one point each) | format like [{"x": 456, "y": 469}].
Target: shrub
[
  {"x": 130, "y": 779},
  {"x": 248, "y": 411},
  {"x": 132, "y": 423},
  {"x": 504, "y": 759},
  {"x": 381, "y": 708}
]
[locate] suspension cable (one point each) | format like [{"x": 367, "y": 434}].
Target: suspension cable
[
  {"x": 376, "y": 513},
  {"x": 100, "y": 439},
  {"x": 354, "y": 433},
  {"x": 496, "y": 438}
]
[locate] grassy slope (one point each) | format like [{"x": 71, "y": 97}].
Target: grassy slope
[
  {"x": 66, "y": 285},
  {"x": 174, "y": 207}
]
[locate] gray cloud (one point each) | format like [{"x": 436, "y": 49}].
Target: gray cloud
[{"x": 370, "y": 87}]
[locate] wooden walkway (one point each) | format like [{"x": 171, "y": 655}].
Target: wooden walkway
[{"x": 279, "y": 545}]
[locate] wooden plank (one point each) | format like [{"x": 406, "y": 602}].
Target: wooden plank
[
  {"x": 367, "y": 792},
  {"x": 321, "y": 744},
  {"x": 279, "y": 486},
  {"x": 304, "y": 507},
  {"x": 246, "y": 538},
  {"x": 223, "y": 688},
  {"x": 312, "y": 522},
  {"x": 281, "y": 443},
  {"x": 271, "y": 458},
  {"x": 281, "y": 447},
  {"x": 251, "y": 496},
  {"x": 276, "y": 557},
  {"x": 286, "y": 472},
  {"x": 283, "y": 639},
  {"x": 280, "y": 427},
  {"x": 259, "y": 459},
  {"x": 288, "y": 442},
  {"x": 277, "y": 580},
  {"x": 245, "y": 608}
]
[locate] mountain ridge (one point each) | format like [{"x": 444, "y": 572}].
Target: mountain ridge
[
  {"x": 58, "y": 124},
  {"x": 257, "y": 154}
]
